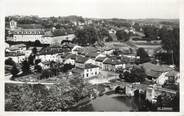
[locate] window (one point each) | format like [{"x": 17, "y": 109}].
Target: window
[
  {"x": 95, "y": 73},
  {"x": 87, "y": 75}
]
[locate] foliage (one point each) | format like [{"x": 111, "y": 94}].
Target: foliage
[
  {"x": 14, "y": 71},
  {"x": 25, "y": 67},
  {"x": 67, "y": 67},
  {"x": 136, "y": 75},
  {"x": 38, "y": 68},
  {"x": 10, "y": 61},
  {"x": 143, "y": 55},
  {"x": 122, "y": 35},
  {"x": 170, "y": 42},
  {"x": 151, "y": 32},
  {"x": 86, "y": 36},
  {"x": 37, "y": 97},
  {"x": 59, "y": 32},
  {"x": 31, "y": 59}
]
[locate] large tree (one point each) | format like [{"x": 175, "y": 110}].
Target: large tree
[
  {"x": 122, "y": 35},
  {"x": 86, "y": 36},
  {"x": 170, "y": 42},
  {"x": 144, "y": 57},
  {"x": 25, "y": 67}
]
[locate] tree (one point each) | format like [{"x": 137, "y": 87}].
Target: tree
[
  {"x": 170, "y": 43},
  {"x": 137, "y": 74},
  {"x": 25, "y": 67},
  {"x": 86, "y": 36},
  {"x": 59, "y": 32},
  {"x": 14, "y": 71},
  {"x": 38, "y": 68},
  {"x": 67, "y": 67},
  {"x": 127, "y": 77},
  {"x": 10, "y": 61},
  {"x": 34, "y": 51},
  {"x": 176, "y": 102},
  {"x": 143, "y": 55},
  {"x": 151, "y": 32},
  {"x": 122, "y": 35},
  {"x": 31, "y": 59},
  {"x": 37, "y": 43},
  {"x": 120, "y": 76}
]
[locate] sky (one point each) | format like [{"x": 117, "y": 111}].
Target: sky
[{"x": 127, "y": 9}]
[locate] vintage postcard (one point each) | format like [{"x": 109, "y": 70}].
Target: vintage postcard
[{"x": 91, "y": 56}]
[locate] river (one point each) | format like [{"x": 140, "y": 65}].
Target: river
[{"x": 113, "y": 102}]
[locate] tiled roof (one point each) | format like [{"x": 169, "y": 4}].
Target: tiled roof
[
  {"x": 100, "y": 59},
  {"x": 112, "y": 61},
  {"x": 92, "y": 54},
  {"x": 88, "y": 66},
  {"x": 28, "y": 32},
  {"x": 81, "y": 59},
  {"x": 7, "y": 54},
  {"x": 77, "y": 70},
  {"x": 155, "y": 70},
  {"x": 50, "y": 50},
  {"x": 16, "y": 47},
  {"x": 72, "y": 56}
]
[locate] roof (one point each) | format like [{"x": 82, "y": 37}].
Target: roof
[
  {"x": 112, "y": 61},
  {"x": 81, "y": 59},
  {"x": 155, "y": 70},
  {"x": 17, "y": 47},
  {"x": 89, "y": 49},
  {"x": 172, "y": 73},
  {"x": 92, "y": 54},
  {"x": 30, "y": 26},
  {"x": 51, "y": 50},
  {"x": 77, "y": 70},
  {"x": 100, "y": 59},
  {"x": 7, "y": 54},
  {"x": 88, "y": 66},
  {"x": 28, "y": 32},
  {"x": 72, "y": 56}
]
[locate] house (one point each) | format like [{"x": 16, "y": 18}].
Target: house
[
  {"x": 91, "y": 57},
  {"x": 153, "y": 91},
  {"x": 99, "y": 62},
  {"x": 111, "y": 64},
  {"x": 17, "y": 57},
  {"x": 80, "y": 61},
  {"x": 70, "y": 59},
  {"x": 88, "y": 71},
  {"x": 75, "y": 49},
  {"x": 17, "y": 48},
  {"x": 13, "y": 24},
  {"x": 26, "y": 35},
  {"x": 51, "y": 53},
  {"x": 108, "y": 51},
  {"x": 153, "y": 71}
]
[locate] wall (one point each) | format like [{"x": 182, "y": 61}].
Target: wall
[{"x": 91, "y": 72}]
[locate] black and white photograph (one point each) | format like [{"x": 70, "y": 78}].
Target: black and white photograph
[{"x": 91, "y": 56}]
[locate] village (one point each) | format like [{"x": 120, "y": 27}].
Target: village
[{"x": 117, "y": 58}]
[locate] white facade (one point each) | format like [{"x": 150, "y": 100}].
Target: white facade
[
  {"x": 50, "y": 57},
  {"x": 91, "y": 72},
  {"x": 26, "y": 38},
  {"x": 90, "y": 61},
  {"x": 69, "y": 61},
  {"x": 13, "y": 24}
]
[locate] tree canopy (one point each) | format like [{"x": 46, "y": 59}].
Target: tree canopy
[{"x": 144, "y": 57}]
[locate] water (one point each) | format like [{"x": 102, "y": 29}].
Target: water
[{"x": 112, "y": 102}]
